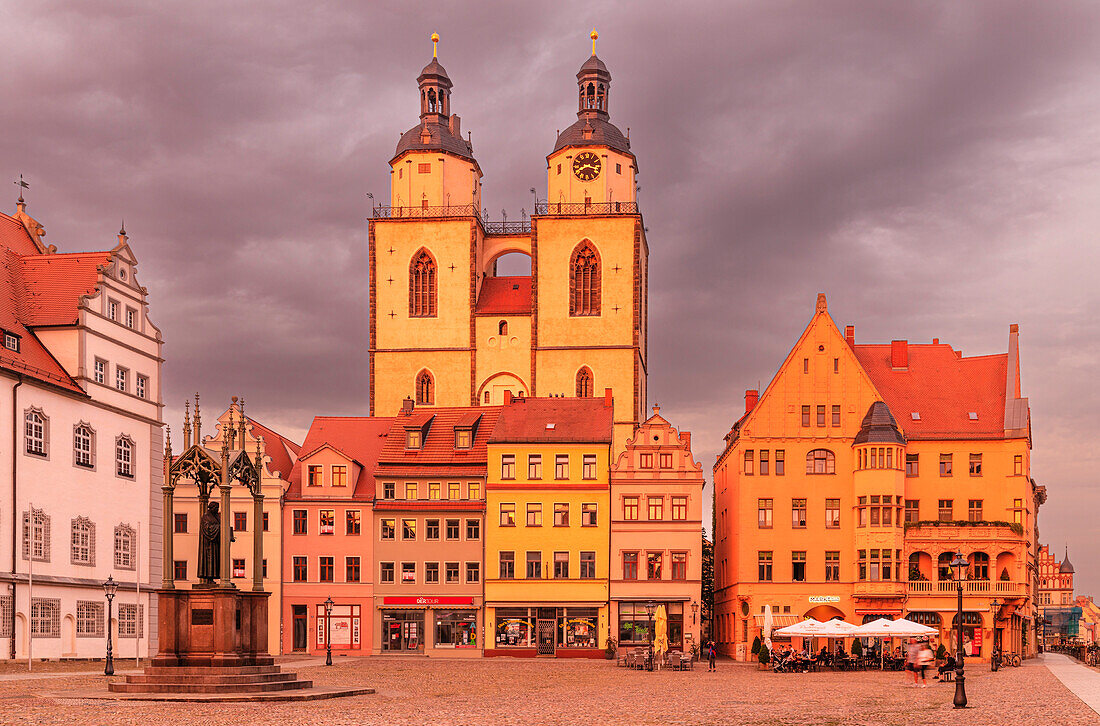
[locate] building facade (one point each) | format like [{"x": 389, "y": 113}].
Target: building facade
[
  {"x": 80, "y": 476},
  {"x": 656, "y": 552},
  {"x": 279, "y": 454},
  {"x": 847, "y": 486},
  {"x": 328, "y": 543},
  {"x": 548, "y": 528},
  {"x": 446, "y": 330},
  {"x": 1055, "y": 598}
]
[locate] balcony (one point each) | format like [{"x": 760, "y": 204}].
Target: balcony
[
  {"x": 575, "y": 208},
  {"x": 993, "y": 588},
  {"x": 461, "y": 210}
]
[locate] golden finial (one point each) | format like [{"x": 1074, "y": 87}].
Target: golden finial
[
  {"x": 594, "y": 35},
  {"x": 435, "y": 45}
]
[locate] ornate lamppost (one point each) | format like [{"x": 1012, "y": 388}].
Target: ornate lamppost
[
  {"x": 328, "y": 631},
  {"x": 959, "y": 565},
  {"x": 650, "y": 608},
  {"x": 994, "y": 607},
  {"x": 109, "y": 589}
]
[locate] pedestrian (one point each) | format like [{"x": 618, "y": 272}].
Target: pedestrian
[
  {"x": 923, "y": 660},
  {"x": 711, "y": 655},
  {"x": 911, "y": 653}
]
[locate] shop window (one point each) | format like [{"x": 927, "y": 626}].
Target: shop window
[
  {"x": 514, "y": 627},
  {"x": 456, "y": 629},
  {"x": 630, "y": 565}
]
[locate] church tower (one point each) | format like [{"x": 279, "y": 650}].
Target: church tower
[{"x": 446, "y": 330}]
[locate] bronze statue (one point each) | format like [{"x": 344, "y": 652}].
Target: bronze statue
[{"x": 210, "y": 545}]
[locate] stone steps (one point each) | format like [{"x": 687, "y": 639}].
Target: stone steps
[
  {"x": 249, "y": 687},
  {"x": 211, "y": 670},
  {"x": 210, "y": 680},
  {"x": 269, "y": 677}
]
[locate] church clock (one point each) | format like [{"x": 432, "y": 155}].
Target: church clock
[{"x": 586, "y": 166}]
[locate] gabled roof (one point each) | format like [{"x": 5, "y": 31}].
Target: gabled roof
[
  {"x": 437, "y": 453},
  {"x": 54, "y": 285},
  {"x": 282, "y": 451},
  {"x": 360, "y": 437},
  {"x": 554, "y": 420},
  {"x": 504, "y": 296}
]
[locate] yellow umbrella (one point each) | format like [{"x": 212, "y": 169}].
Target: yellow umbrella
[{"x": 660, "y": 642}]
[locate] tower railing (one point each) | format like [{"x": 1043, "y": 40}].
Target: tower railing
[
  {"x": 388, "y": 212},
  {"x": 572, "y": 208}
]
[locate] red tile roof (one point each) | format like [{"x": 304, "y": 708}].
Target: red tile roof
[
  {"x": 941, "y": 386},
  {"x": 554, "y": 420},
  {"x": 282, "y": 451},
  {"x": 55, "y": 283},
  {"x": 504, "y": 296},
  {"x": 438, "y": 455},
  {"x": 359, "y": 437}
]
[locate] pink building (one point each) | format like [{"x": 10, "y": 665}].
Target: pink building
[
  {"x": 656, "y": 535},
  {"x": 327, "y": 536}
]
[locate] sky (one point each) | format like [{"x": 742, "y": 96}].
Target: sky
[{"x": 933, "y": 167}]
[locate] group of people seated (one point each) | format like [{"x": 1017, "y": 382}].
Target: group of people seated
[{"x": 790, "y": 660}]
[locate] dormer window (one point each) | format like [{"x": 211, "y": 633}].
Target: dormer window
[
  {"x": 463, "y": 438},
  {"x": 413, "y": 439},
  {"x": 11, "y": 341}
]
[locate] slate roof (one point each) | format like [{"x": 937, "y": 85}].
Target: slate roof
[
  {"x": 602, "y": 133},
  {"x": 360, "y": 437},
  {"x": 504, "y": 296},
  {"x": 879, "y": 427},
  {"x": 441, "y": 140},
  {"x": 554, "y": 420}
]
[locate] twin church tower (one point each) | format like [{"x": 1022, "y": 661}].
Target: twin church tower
[{"x": 446, "y": 330}]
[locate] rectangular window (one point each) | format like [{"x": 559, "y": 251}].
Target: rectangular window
[
  {"x": 121, "y": 376},
  {"x": 1018, "y": 465},
  {"x": 389, "y": 490},
  {"x": 11, "y": 342},
  {"x": 764, "y": 462},
  {"x": 588, "y": 565},
  {"x": 386, "y": 573},
  {"x": 748, "y": 462},
  {"x": 534, "y": 466},
  {"x": 100, "y": 370},
  {"x": 131, "y": 621},
  {"x": 507, "y": 565},
  {"x": 912, "y": 465},
  {"x": 764, "y": 513},
  {"x": 656, "y": 506},
  {"x": 630, "y": 508},
  {"x": 534, "y": 514},
  {"x": 473, "y": 572},
  {"x": 561, "y": 514},
  {"x": 630, "y": 565},
  {"x": 798, "y": 513},
  {"x": 431, "y": 529},
  {"x": 301, "y": 569},
  {"x": 431, "y": 572},
  {"x": 112, "y": 309},
  {"x": 299, "y": 522},
  {"x": 179, "y": 569},
  {"x": 411, "y": 490},
  {"x": 832, "y": 513},
  {"x": 327, "y": 573},
  {"x": 679, "y": 508},
  {"x": 534, "y": 565},
  {"x": 389, "y": 529},
  {"x": 645, "y": 461},
  {"x": 666, "y": 461},
  {"x": 561, "y": 565},
  {"x": 327, "y": 521},
  {"x": 874, "y": 512},
  {"x": 240, "y": 521},
  {"x": 832, "y": 567},
  {"x": 434, "y": 490},
  {"x": 945, "y": 464},
  {"x": 473, "y": 529},
  {"x": 912, "y": 510},
  {"x": 313, "y": 477},
  {"x": 339, "y": 476},
  {"x": 408, "y": 529},
  {"x": 142, "y": 386},
  {"x": 946, "y": 505},
  {"x": 452, "y": 529},
  {"x": 423, "y": 168},
  {"x": 779, "y": 462},
  {"x": 820, "y": 415},
  {"x": 454, "y": 490},
  {"x": 561, "y": 466},
  {"x": 975, "y": 510},
  {"x": 653, "y": 562},
  {"x": 836, "y": 415},
  {"x": 412, "y": 439},
  {"x": 508, "y": 466},
  {"x": 353, "y": 524},
  {"x": 588, "y": 466},
  {"x": 473, "y": 491},
  {"x": 975, "y": 465},
  {"x": 798, "y": 566},
  {"x": 180, "y": 522},
  {"x": 679, "y": 565},
  {"x": 805, "y": 365},
  {"x": 463, "y": 438},
  {"x": 764, "y": 566},
  {"x": 351, "y": 569},
  {"x": 131, "y": 318},
  {"x": 408, "y": 573},
  {"x": 588, "y": 515}
]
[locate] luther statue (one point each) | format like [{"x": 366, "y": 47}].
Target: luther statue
[{"x": 210, "y": 544}]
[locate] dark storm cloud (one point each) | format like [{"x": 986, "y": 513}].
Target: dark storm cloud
[{"x": 932, "y": 167}]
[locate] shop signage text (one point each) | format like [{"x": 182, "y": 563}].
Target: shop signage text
[
  {"x": 824, "y": 598},
  {"x": 427, "y": 601}
]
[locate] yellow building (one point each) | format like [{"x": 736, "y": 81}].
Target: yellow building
[
  {"x": 279, "y": 455},
  {"x": 446, "y": 330},
  {"x": 548, "y": 526},
  {"x": 848, "y": 487}
]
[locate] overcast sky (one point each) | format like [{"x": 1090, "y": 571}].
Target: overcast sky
[{"x": 934, "y": 168}]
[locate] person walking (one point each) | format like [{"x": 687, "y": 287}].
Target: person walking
[
  {"x": 925, "y": 658},
  {"x": 911, "y": 652},
  {"x": 712, "y": 654}
]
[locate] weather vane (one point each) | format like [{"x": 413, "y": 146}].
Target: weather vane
[{"x": 22, "y": 185}]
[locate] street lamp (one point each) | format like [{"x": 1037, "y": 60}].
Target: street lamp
[
  {"x": 328, "y": 631},
  {"x": 109, "y": 589},
  {"x": 959, "y": 565},
  {"x": 694, "y": 611},
  {"x": 994, "y": 606},
  {"x": 650, "y": 608}
]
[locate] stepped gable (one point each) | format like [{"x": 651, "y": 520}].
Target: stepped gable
[{"x": 360, "y": 438}]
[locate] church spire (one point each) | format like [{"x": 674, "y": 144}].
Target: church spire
[
  {"x": 594, "y": 82},
  {"x": 435, "y": 88}
]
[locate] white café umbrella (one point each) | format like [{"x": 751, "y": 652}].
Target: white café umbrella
[
  {"x": 837, "y": 629},
  {"x": 807, "y": 628},
  {"x": 768, "y": 627},
  {"x": 884, "y": 628}
]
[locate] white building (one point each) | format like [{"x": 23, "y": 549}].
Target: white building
[{"x": 82, "y": 443}]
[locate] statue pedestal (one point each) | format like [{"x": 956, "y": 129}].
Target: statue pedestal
[{"x": 212, "y": 626}]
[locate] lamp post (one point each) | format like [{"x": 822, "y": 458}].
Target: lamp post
[
  {"x": 109, "y": 589},
  {"x": 959, "y": 565},
  {"x": 328, "y": 631},
  {"x": 994, "y": 606},
  {"x": 650, "y": 607},
  {"x": 694, "y": 611}
]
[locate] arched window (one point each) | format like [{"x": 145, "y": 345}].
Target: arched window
[
  {"x": 431, "y": 100},
  {"x": 502, "y": 328},
  {"x": 124, "y": 547},
  {"x": 584, "y": 281},
  {"x": 35, "y": 432},
  {"x": 422, "y": 286},
  {"x": 600, "y": 98},
  {"x": 425, "y": 388},
  {"x": 584, "y": 383},
  {"x": 820, "y": 461},
  {"x": 83, "y": 542},
  {"x": 943, "y": 566},
  {"x": 932, "y": 620},
  {"x": 124, "y": 456},
  {"x": 84, "y": 446}
]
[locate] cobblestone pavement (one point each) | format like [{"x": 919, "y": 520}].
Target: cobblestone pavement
[{"x": 507, "y": 691}]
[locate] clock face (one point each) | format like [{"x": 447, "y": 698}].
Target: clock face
[{"x": 586, "y": 166}]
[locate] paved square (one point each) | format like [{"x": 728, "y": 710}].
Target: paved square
[{"x": 506, "y": 691}]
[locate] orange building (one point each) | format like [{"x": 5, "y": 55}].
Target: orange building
[
  {"x": 327, "y": 542},
  {"x": 850, "y": 482}
]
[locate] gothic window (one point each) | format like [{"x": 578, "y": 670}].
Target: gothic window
[
  {"x": 124, "y": 456},
  {"x": 35, "y": 431},
  {"x": 84, "y": 446},
  {"x": 124, "y": 547},
  {"x": 422, "y": 286},
  {"x": 425, "y": 388},
  {"x": 83, "y": 542},
  {"x": 584, "y": 383},
  {"x": 584, "y": 281}
]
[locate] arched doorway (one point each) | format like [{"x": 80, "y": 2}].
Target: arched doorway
[{"x": 20, "y": 635}]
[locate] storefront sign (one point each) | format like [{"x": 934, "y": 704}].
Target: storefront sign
[
  {"x": 427, "y": 601},
  {"x": 817, "y": 599}
]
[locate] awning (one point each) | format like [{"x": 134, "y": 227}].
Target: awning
[{"x": 779, "y": 621}]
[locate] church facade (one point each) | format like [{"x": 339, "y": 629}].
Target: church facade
[{"x": 446, "y": 330}]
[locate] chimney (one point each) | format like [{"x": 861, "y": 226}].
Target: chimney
[
  {"x": 507, "y": 397},
  {"x": 850, "y": 335},
  {"x": 935, "y": 341},
  {"x": 899, "y": 355},
  {"x": 407, "y": 406},
  {"x": 455, "y": 124},
  {"x": 752, "y": 395},
  {"x": 607, "y": 397},
  {"x": 685, "y": 436}
]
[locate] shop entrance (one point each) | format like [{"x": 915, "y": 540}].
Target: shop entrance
[
  {"x": 299, "y": 618},
  {"x": 546, "y": 630},
  {"x": 402, "y": 630}
]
